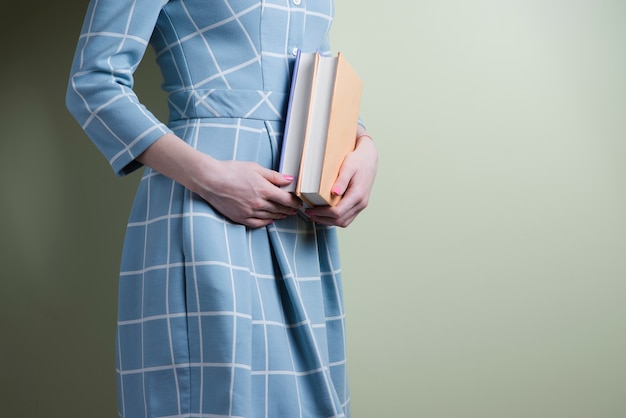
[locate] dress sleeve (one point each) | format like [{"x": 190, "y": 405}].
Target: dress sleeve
[{"x": 113, "y": 40}]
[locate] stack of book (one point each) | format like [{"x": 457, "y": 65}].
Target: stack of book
[{"x": 321, "y": 124}]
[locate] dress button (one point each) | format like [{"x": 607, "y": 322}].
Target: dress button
[
  {"x": 297, "y": 2},
  {"x": 294, "y": 51}
]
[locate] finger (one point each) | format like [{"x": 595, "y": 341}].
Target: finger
[
  {"x": 261, "y": 218},
  {"x": 257, "y": 223},
  {"x": 278, "y": 212},
  {"x": 340, "y": 215},
  {"x": 276, "y": 178},
  {"x": 276, "y": 194},
  {"x": 274, "y": 211},
  {"x": 285, "y": 201},
  {"x": 343, "y": 218},
  {"x": 347, "y": 202},
  {"x": 342, "y": 222}
]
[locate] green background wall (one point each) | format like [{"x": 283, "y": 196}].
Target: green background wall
[{"x": 486, "y": 280}]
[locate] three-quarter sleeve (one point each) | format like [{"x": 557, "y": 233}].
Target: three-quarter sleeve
[{"x": 113, "y": 40}]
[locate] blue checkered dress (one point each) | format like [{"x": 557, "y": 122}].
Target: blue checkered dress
[{"x": 215, "y": 319}]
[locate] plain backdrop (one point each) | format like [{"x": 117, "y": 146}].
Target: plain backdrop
[{"x": 487, "y": 278}]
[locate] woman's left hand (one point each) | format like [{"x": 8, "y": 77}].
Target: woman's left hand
[{"x": 354, "y": 184}]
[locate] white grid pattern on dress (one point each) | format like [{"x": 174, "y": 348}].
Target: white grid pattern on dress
[{"x": 215, "y": 319}]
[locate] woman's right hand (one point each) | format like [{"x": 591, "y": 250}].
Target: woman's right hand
[{"x": 242, "y": 191}]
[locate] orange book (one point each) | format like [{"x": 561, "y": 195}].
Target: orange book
[{"x": 321, "y": 124}]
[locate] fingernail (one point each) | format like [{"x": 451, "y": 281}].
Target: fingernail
[
  {"x": 336, "y": 190},
  {"x": 288, "y": 177}
]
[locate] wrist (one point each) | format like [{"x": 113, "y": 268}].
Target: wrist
[
  {"x": 364, "y": 137},
  {"x": 200, "y": 173},
  {"x": 175, "y": 159},
  {"x": 362, "y": 134}
]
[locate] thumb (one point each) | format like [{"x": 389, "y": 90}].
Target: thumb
[{"x": 341, "y": 184}]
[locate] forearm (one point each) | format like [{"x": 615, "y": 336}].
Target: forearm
[
  {"x": 174, "y": 158},
  {"x": 243, "y": 191}
]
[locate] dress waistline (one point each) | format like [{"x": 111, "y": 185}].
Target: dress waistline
[{"x": 217, "y": 103}]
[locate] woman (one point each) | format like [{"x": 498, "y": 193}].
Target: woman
[{"x": 229, "y": 304}]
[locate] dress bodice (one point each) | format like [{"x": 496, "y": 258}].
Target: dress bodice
[
  {"x": 236, "y": 44},
  {"x": 216, "y": 57}
]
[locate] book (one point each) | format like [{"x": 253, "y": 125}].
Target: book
[{"x": 321, "y": 125}]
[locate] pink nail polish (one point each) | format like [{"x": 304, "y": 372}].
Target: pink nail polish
[
  {"x": 336, "y": 190},
  {"x": 288, "y": 177}
]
